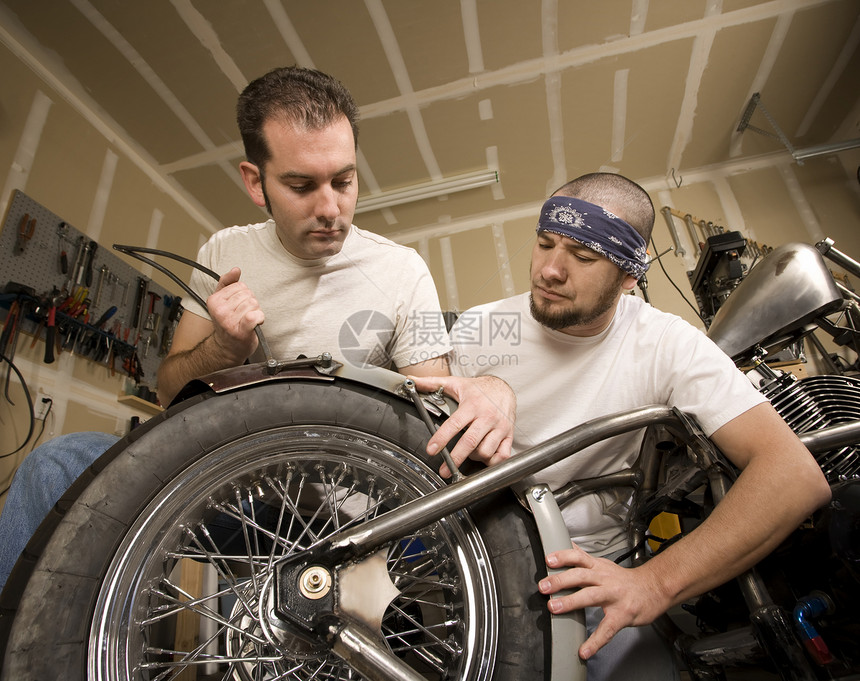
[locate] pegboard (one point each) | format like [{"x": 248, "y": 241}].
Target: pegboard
[{"x": 32, "y": 242}]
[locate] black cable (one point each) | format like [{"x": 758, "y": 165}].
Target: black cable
[
  {"x": 135, "y": 252},
  {"x": 680, "y": 292},
  {"x": 4, "y": 358}
]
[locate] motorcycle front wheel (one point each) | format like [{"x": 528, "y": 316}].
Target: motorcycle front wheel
[{"x": 162, "y": 567}]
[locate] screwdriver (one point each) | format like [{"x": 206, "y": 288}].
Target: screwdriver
[{"x": 62, "y": 232}]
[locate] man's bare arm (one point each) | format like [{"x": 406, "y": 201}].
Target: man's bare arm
[
  {"x": 201, "y": 346},
  {"x": 438, "y": 366},
  {"x": 780, "y": 484}
]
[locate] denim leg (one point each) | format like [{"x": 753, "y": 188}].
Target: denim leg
[
  {"x": 41, "y": 479},
  {"x": 633, "y": 654}
]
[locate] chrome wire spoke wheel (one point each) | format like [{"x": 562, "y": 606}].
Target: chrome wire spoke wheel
[{"x": 191, "y": 584}]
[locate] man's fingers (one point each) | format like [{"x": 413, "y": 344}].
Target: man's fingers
[
  {"x": 574, "y": 556},
  {"x": 573, "y": 579},
  {"x": 449, "y": 428},
  {"x": 427, "y": 383},
  {"x": 504, "y": 451},
  {"x": 601, "y": 636},
  {"x": 228, "y": 278},
  {"x": 468, "y": 441}
]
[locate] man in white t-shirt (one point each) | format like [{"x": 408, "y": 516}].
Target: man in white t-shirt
[
  {"x": 313, "y": 280},
  {"x": 576, "y": 347}
]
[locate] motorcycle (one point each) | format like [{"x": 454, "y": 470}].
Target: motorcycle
[{"x": 282, "y": 520}]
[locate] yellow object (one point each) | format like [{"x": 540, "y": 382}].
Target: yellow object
[{"x": 664, "y": 525}]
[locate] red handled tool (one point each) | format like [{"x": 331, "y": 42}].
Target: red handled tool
[{"x": 50, "y": 334}]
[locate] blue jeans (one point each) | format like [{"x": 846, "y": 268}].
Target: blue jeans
[
  {"x": 633, "y": 654},
  {"x": 40, "y": 481}
]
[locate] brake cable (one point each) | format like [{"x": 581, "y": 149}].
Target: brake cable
[{"x": 136, "y": 251}]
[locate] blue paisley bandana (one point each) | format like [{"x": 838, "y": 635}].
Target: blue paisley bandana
[{"x": 597, "y": 229}]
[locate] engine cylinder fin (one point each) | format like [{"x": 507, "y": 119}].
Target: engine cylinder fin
[{"x": 817, "y": 402}]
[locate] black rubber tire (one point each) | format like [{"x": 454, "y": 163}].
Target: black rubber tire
[{"x": 48, "y": 606}]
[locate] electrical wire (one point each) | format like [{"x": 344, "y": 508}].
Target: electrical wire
[
  {"x": 135, "y": 252},
  {"x": 4, "y": 358},
  {"x": 680, "y": 292}
]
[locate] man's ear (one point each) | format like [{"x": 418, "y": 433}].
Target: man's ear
[
  {"x": 253, "y": 179},
  {"x": 629, "y": 283}
]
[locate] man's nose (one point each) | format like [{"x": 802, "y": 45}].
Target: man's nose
[
  {"x": 553, "y": 267},
  {"x": 327, "y": 207}
]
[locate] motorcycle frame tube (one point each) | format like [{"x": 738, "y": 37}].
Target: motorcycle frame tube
[
  {"x": 821, "y": 440},
  {"x": 364, "y": 653},
  {"x": 416, "y": 514},
  {"x": 825, "y": 247}
]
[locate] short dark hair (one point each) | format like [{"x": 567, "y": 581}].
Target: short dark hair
[
  {"x": 628, "y": 200},
  {"x": 302, "y": 96}
]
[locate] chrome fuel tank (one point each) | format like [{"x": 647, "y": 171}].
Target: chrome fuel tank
[{"x": 776, "y": 302}]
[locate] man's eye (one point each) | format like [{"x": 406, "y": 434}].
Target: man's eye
[
  {"x": 301, "y": 188},
  {"x": 342, "y": 184}
]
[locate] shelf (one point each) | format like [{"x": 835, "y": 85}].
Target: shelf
[{"x": 137, "y": 403}]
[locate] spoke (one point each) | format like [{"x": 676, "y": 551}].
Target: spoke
[
  {"x": 223, "y": 569},
  {"x": 174, "y": 605},
  {"x": 421, "y": 652},
  {"x": 201, "y": 660},
  {"x": 215, "y": 617},
  {"x": 404, "y": 546},
  {"x": 281, "y": 512},
  {"x": 424, "y": 629},
  {"x": 415, "y": 580},
  {"x": 243, "y": 519},
  {"x": 406, "y": 632}
]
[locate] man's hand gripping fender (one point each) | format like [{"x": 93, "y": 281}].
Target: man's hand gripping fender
[{"x": 629, "y": 597}]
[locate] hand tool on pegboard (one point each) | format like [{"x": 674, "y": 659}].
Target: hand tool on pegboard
[
  {"x": 62, "y": 239},
  {"x": 174, "y": 312},
  {"x": 46, "y": 313},
  {"x": 26, "y": 229},
  {"x": 149, "y": 325},
  {"x": 104, "y": 273},
  {"x": 88, "y": 267},
  {"x": 18, "y": 311},
  {"x": 51, "y": 329},
  {"x": 124, "y": 286},
  {"x": 82, "y": 262},
  {"x": 139, "y": 299},
  {"x": 73, "y": 272}
]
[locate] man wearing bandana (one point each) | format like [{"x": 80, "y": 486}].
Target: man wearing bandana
[{"x": 576, "y": 347}]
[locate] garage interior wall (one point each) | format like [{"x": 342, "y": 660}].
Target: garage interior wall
[
  {"x": 55, "y": 150},
  {"x": 63, "y": 160}
]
